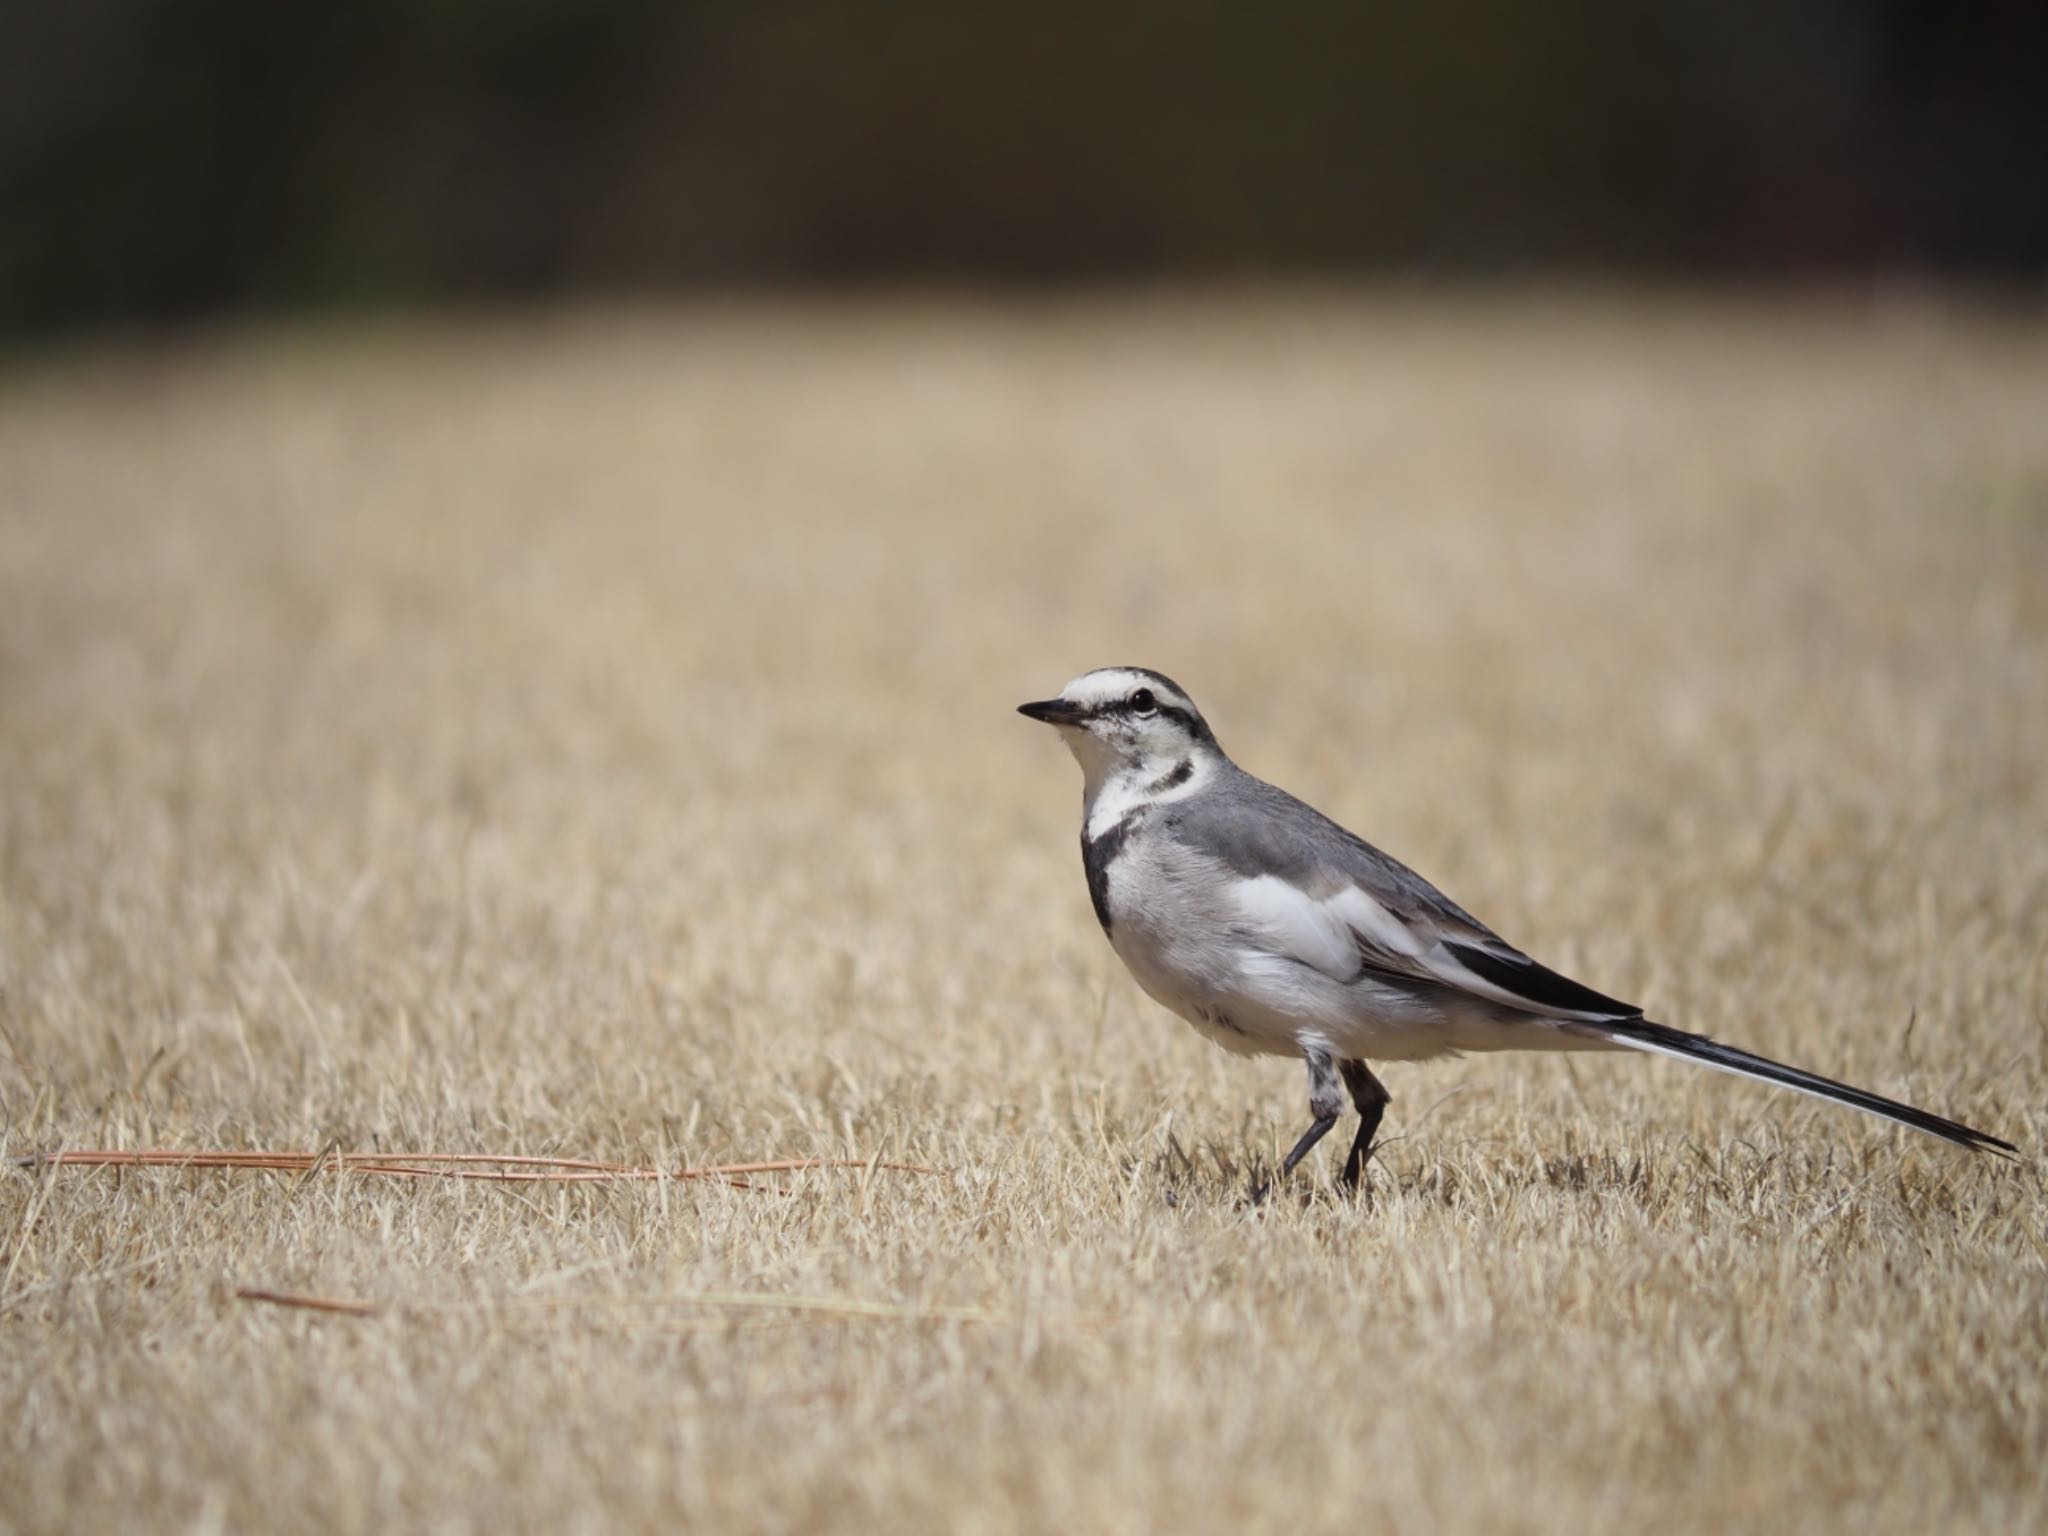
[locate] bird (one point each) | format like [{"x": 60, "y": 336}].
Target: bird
[{"x": 1274, "y": 931}]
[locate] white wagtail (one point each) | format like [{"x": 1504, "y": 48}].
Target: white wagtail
[{"x": 1274, "y": 931}]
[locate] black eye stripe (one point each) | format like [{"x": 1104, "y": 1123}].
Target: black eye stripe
[{"x": 1186, "y": 718}]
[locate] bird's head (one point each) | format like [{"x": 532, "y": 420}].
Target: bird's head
[{"x": 1121, "y": 721}]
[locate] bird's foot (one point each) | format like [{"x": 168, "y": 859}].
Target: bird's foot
[{"x": 1354, "y": 1179}]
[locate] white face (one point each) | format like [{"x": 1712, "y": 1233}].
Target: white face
[{"x": 1123, "y": 718}]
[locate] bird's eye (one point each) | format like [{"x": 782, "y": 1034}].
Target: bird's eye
[{"x": 1142, "y": 702}]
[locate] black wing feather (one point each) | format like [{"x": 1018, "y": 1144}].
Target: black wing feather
[{"x": 1546, "y": 990}]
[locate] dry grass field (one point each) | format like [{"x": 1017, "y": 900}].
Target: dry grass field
[{"x": 592, "y": 735}]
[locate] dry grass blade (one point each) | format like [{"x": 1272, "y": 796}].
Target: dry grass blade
[
  {"x": 743, "y": 1301},
  {"x": 309, "y": 1303},
  {"x": 502, "y": 1168}
]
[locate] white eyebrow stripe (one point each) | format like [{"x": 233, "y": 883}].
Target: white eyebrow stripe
[{"x": 1108, "y": 685}]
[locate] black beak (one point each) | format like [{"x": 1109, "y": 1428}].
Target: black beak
[{"x": 1053, "y": 712}]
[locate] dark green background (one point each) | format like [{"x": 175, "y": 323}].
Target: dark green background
[{"x": 163, "y": 160}]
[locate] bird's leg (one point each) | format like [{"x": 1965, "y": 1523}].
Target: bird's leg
[
  {"x": 1325, "y": 1102},
  {"x": 1370, "y": 1095}
]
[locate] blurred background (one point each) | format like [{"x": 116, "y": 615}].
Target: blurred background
[{"x": 162, "y": 161}]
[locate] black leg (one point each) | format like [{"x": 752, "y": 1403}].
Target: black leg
[
  {"x": 1325, "y": 1102},
  {"x": 1315, "y": 1133},
  {"x": 1371, "y": 1097}
]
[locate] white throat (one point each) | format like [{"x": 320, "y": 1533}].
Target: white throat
[{"x": 1111, "y": 788}]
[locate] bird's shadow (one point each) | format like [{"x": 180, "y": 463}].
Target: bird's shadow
[{"x": 1239, "y": 1174}]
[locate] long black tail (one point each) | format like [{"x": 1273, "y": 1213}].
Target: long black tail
[{"x": 1661, "y": 1040}]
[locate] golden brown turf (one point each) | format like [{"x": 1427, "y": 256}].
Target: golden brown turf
[{"x": 593, "y": 736}]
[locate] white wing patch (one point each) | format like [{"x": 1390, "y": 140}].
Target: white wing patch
[
  {"x": 1372, "y": 923},
  {"x": 1344, "y": 933},
  {"x": 1297, "y": 925},
  {"x": 1324, "y": 932}
]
